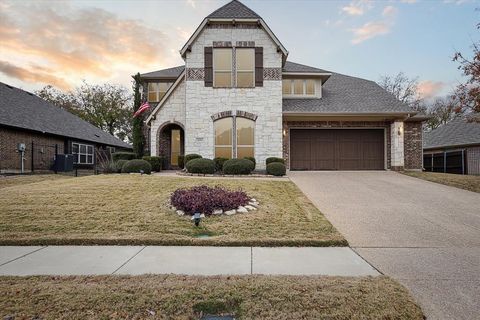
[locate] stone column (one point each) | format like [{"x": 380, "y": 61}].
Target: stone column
[{"x": 397, "y": 145}]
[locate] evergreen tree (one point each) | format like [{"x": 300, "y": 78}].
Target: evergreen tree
[{"x": 137, "y": 134}]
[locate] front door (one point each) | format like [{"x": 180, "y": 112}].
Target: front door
[{"x": 175, "y": 147}]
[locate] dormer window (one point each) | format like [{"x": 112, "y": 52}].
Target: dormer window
[
  {"x": 222, "y": 67},
  {"x": 156, "y": 90},
  {"x": 298, "y": 87}
]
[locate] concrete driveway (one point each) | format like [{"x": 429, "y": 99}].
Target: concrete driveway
[{"x": 423, "y": 234}]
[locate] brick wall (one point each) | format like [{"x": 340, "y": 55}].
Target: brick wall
[
  {"x": 43, "y": 153},
  {"x": 334, "y": 124},
  {"x": 413, "y": 146}
]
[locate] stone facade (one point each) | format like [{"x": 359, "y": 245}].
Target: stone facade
[
  {"x": 397, "y": 136},
  {"x": 264, "y": 102},
  {"x": 413, "y": 148},
  {"x": 287, "y": 125},
  {"x": 43, "y": 150}
]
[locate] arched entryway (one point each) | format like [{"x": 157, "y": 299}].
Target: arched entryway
[{"x": 171, "y": 144}]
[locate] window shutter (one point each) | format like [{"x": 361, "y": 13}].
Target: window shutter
[
  {"x": 208, "y": 56},
  {"x": 259, "y": 66}
]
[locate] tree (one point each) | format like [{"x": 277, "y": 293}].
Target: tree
[
  {"x": 104, "y": 106},
  {"x": 441, "y": 111},
  {"x": 467, "y": 95},
  {"x": 403, "y": 88},
  {"x": 137, "y": 134}
]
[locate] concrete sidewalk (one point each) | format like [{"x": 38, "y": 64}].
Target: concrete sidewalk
[{"x": 134, "y": 260}]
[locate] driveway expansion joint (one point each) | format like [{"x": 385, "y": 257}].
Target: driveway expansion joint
[
  {"x": 128, "y": 260},
  {"x": 22, "y": 256}
]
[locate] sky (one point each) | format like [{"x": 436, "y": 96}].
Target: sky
[{"x": 63, "y": 43}]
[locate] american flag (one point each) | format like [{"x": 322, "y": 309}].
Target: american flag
[{"x": 144, "y": 107}]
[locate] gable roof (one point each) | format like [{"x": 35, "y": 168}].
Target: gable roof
[
  {"x": 170, "y": 73},
  {"x": 458, "y": 132},
  {"x": 234, "y": 10},
  {"x": 346, "y": 94},
  {"x": 22, "y": 109}
]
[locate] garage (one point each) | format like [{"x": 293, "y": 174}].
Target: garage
[{"x": 337, "y": 149}]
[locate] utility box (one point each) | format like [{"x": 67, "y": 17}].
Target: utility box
[{"x": 64, "y": 163}]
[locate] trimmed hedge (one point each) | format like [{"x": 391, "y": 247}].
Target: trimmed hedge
[
  {"x": 134, "y": 166},
  {"x": 276, "y": 169},
  {"x": 219, "y": 161},
  {"x": 253, "y": 160},
  {"x": 155, "y": 162},
  {"x": 191, "y": 156},
  {"x": 119, "y": 165},
  {"x": 181, "y": 162},
  {"x": 201, "y": 165},
  {"x": 123, "y": 156},
  {"x": 274, "y": 159},
  {"x": 238, "y": 166}
]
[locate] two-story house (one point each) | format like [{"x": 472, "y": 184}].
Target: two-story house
[{"x": 238, "y": 95}]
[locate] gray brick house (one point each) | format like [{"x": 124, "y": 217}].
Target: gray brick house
[{"x": 238, "y": 95}]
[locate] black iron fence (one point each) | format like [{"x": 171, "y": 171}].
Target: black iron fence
[{"x": 446, "y": 162}]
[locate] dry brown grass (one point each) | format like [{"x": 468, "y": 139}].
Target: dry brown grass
[
  {"x": 471, "y": 183},
  {"x": 9, "y": 181},
  {"x": 187, "y": 297},
  {"x": 134, "y": 209}
]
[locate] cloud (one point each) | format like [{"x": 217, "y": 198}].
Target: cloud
[
  {"x": 408, "y": 1},
  {"x": 64, "y": 42},
  {"x": 33, "y": 74},
  {"x": 191, "y": 3},
  {"x": 353, "y": 10},
  {"x": 358, "y": 7},
  {"x": 428, "y": 89},
  {"x": 375, "y": 28}
]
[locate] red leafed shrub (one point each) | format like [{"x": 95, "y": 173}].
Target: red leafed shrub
[{"x": 204, "y": 199}]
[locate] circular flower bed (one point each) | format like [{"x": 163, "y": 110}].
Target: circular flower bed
[{"x": 208, "y": 200}]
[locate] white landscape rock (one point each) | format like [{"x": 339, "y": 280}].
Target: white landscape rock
[
  {"x": 180, "y": 212},
  {"x": 250, "y": 208},
  {"x": 230, "y": 212},
  {"x": 253, "y": 200},
  {"x": 242, "y": 210},
  {"x": 253, "y": 204},
  {"x": 217, "y": 211},
  {"x": 174, "y": 209}
]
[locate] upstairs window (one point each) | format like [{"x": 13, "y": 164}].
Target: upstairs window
[
  {"x": 245, "y": 58},
  {"x": 298, "y": 87},
  {"x": 156, "y": 90},
  {"x": 222, "y": 67}
]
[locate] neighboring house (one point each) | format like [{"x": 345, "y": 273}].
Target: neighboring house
[
  {"x": 237, "y": 95},
  {"x": 453, "y": 147},
  {"x": 30, "y": 122}
]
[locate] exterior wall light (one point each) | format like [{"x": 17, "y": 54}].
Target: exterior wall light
[{"x": 284, "y": 132}]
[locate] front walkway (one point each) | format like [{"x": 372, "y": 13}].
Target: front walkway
[
  {"x": 135, "y": 260},
  {"x": 424, "y": 234}
]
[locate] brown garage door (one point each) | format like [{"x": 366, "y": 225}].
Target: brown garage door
[{"x": 337, "y": 149}]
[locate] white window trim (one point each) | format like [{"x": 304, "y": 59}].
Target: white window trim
[
  {"x": 86, "y": 154},
  {"x": 237, "y": 70},
  {"x": 220, "y": 70},
  {"x": 304, "y": 93}
]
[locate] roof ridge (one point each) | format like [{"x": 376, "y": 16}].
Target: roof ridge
[{"x": 230, "y": 5}]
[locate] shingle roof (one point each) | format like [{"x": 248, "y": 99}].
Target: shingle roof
[
  {"x": 301, "y": 68},
  {"x": 25, "y": 110},
  {"x": 234, "y": 10},
  {"x": 458, "y": 132},
  {"x": 170, "y": 73},
  {"x": 345, "y": 94}
]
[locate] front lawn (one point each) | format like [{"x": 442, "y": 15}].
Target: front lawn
[
  {"x": 134, "y": 209},
  {"x": 471, "y": 183},
  {"x": 9, "y": 181},
  {"x": 184, "y": 297}
]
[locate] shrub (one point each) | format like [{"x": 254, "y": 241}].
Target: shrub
[
  {"x": 200, "y": 165},
  {"x": 119, "y": 165},
  {"x": 274, "y": 159},
  {"x": 108, "y": 167},
  {"x": 123, "y": 156},
  {"x": 181, "y": 161},
  {"x": 135, "y": 165},
  {"x": 155, "y": 162},
  {"x": 253, "y": 160},
  {"x": 204, "y": 199},
  {"x": 219, "y": 161},
  {"x": 191, "y": 156},
  {"x": 238, "y": 166},
  {"x": 276, "y": 169}
]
